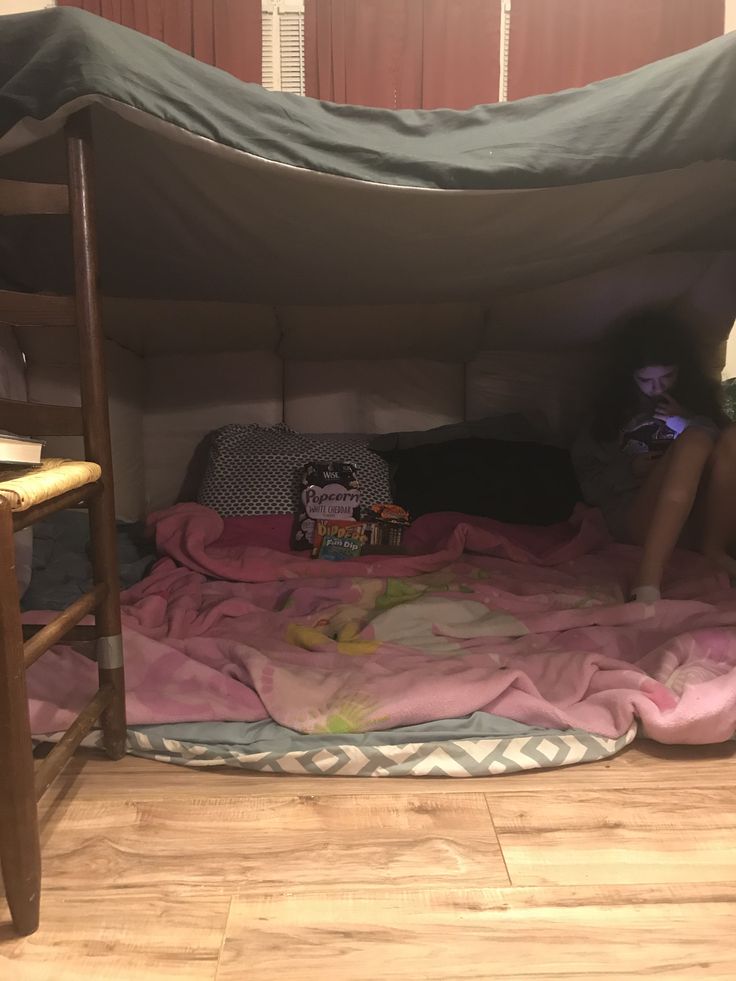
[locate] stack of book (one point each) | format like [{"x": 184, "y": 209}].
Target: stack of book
[{"x": 19, "y": 452}]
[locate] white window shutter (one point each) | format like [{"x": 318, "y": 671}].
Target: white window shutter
[
  {"x": 503, "y": 78},
  {"x": 283, "y": 45},
  {"x": 291, "y": 23},
  {"x": 267, "y": 18}
]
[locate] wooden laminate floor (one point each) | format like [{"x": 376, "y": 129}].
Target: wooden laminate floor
[{"x": 620, "y": 869}]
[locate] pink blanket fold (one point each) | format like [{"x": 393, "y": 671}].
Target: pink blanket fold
[
  {"x": 530, "y": 625},
  {"x": 199, "y": 539}
]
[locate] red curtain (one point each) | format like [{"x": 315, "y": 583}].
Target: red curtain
[
  {"x": 560, "y": 44},
  {"x": 403, "y": 54},
  {"x": 462, "y": 41},
  {"x": 224, "y": 33},
  {"x": 352, "y": 50}
]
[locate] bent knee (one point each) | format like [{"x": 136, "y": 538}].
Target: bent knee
[
  {"x": 696, "y": 441},
  {"x": 727, "y": 441}
]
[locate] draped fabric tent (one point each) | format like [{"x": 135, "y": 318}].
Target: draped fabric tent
[{"x": 363, "y": 268}]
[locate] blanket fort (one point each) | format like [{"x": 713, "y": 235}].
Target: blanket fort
[{"x": 409, "y": 640}]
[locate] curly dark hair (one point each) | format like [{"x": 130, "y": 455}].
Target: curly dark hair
[{"x": 653, "y": 337}]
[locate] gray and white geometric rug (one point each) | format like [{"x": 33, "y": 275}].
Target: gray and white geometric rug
[{"x": 479, "y": 745}]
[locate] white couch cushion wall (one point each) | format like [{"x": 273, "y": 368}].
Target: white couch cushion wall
[
  {"x": 53, "y": 377},
  {"x": 188, "y": 395},
  {"x": 372, "y": 396}
]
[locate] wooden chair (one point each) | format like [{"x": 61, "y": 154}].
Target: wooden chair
[{"x": 26, "y": 497}]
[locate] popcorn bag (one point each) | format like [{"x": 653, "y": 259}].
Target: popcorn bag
[{"x": 328, "y": 492}]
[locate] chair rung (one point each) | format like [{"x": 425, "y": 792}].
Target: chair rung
[
  {"x": 36, "y": 309},
  {"x": 37, "y": 419},
  {"x": 71, "y": 499},
  {"x": 52, "y": 765},
  {"x": 84, "y": 633},
  {"x": 27, "y": 198},
  {"x": 55, "y": 631}
]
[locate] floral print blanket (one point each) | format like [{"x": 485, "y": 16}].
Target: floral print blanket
[{"x": 480, "y": 624}]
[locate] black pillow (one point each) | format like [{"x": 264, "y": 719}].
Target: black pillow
[
  {"x": 520, "y": 483},
  {"x": 507, "y": 426}
]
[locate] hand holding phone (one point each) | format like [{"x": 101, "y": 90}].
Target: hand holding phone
[{"x": 672, "y": 414}]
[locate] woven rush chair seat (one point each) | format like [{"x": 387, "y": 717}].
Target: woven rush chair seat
[{"x": 24, "y": 489}]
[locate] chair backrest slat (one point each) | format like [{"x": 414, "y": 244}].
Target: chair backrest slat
[
  {"x": 36, "y": 309},
  {"x": 26, "y": 198},
  {"x": 36, "y": 419}
]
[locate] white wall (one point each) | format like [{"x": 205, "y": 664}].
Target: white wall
[
  {"x": 730, "y": 370},
  {"x": 22, "y": 6},
  {"x": 730, "y": 15}
]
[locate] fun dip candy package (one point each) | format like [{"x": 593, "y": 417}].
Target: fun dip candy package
[
  {"x": 329, "y": 492},
  {"x": 336, "y": 549},
  {"x": 338, "y": 539}
]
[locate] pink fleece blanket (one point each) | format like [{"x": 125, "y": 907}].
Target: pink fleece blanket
[{"x": 524, "y": 624}]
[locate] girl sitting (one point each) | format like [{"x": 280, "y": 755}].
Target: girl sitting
[{"x": 660, "y": 457}]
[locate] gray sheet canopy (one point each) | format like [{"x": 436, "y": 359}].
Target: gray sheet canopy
[{"x": 209, "y": 189}]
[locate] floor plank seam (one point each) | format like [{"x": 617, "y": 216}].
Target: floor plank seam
[
  {"x": 498, "y": 839},
  {"x": 224, "y": 937}
]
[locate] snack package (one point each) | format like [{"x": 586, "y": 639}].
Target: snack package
[
  {"x": 385, "y": 525},
  {"x": 645, "y": 434},
  {"x": 329, "y": 491},
  {"x": 336, "y": 548},
  {"x": 352, "y": 532}
]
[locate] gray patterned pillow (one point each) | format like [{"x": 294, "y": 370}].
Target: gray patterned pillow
[
  {"x": 257, "y": 469},
  {"x": 729, "y": 398}
]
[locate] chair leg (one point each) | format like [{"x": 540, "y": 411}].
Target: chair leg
[
  {"x": 96, "y": 426},
  {"x": 109, "y": 646},
  {"x": 20, "y": 849}
]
